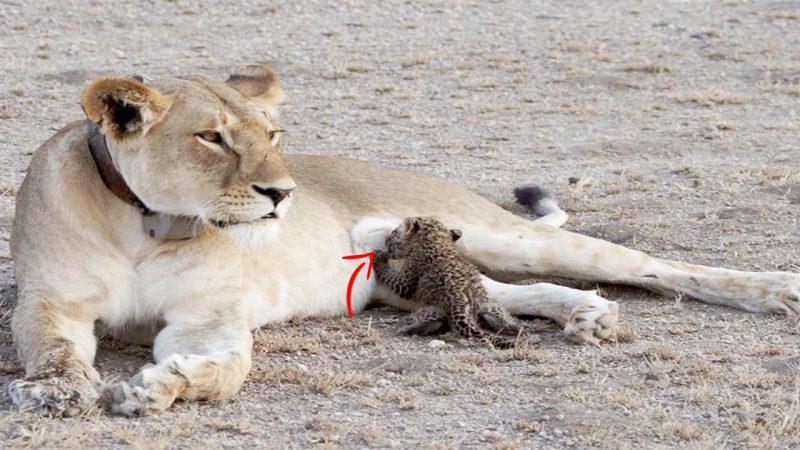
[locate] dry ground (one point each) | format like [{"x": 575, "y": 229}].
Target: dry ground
[{"x": 671, "y": 127}]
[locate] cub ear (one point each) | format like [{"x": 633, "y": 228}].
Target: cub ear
[
  {"x": 411, "y": 226},
  {"x": 455, "y": 234},
  {"x": 259, "y": 83},
  {"x": 123, "y": 107}
]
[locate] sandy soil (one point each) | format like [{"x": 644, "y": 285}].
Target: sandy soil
[{"x": 671, "y": 127}]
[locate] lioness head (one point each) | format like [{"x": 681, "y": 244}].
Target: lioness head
[{"x": 195, "y": 146}]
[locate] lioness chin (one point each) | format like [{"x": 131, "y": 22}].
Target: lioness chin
[{"x": 274, "y": 229}]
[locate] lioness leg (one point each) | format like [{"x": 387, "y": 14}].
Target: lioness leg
[
  {"x": 206, "y": 360},
  {"x": 521, "y": 249},
  {"x": 57, "y": 347},
  {"x": 497, "y": 319},
  {"x": 585, "y": 316}
]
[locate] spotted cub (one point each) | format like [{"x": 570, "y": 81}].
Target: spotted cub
[{"x": 421, "y": 263}]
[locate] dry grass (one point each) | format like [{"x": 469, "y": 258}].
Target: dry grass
[
  {"x": 322, "y": 431},
  {"x": 687, "y": 431},
  {"x": 405, "y": 399},
  {"x": 766, "y": 420},
  {"x": 357, "y": 68},
  {"x": 648, "y": 67},
  {"x": 662, "y": 352},
  {"x": 320, "y": 381},
  {"x": 528, "y": 426},
  {"x": 710, "y": 99},
  {"x": 625, "y": 335},
  {"x": 237, "y": 426},
  {"x": 778, "y": 87},
  {"x": 524, "y": 353},
  {"x": 371, "y": 435}
]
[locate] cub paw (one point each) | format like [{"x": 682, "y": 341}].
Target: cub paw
[
  {"x": 59, "y": 396},
  {"x": 593, "y": 320},
  {"x": 423, "y": 329}
]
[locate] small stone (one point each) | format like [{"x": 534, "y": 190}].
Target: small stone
[
  {"x": 573, "y": 180},
  {"x": 436, "y": 343}
]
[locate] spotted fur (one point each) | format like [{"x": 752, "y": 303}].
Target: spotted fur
[{"x": 421, "y": 263}]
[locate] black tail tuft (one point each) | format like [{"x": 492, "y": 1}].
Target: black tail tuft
[{"x": 531, "y": 196}]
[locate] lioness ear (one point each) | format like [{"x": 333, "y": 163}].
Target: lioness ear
[
  {"x": 259, "y": 84},
  {"x": 123, "y": 107},
  {"x": 455, "y": 234}
]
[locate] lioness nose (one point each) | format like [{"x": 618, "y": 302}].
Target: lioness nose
[{"x": 277, "y": 195}]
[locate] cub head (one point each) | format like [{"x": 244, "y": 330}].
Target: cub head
[
  {"x": 415, "y": 230},
  {"x": 198, "y": 147}
]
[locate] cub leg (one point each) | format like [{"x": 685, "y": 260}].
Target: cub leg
[
  {"x": 464, "y": 320},
  {"x": 522, "y": 248},
  {"x": 425, "y": 321},
  {"x": 57, "y": 346},
  {"x": 195, "y": 360}
]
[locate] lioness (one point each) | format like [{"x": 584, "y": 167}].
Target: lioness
[{"x": 274, "y": 230}]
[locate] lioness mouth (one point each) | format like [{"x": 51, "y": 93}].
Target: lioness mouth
[{"x": 221, "y": 224}]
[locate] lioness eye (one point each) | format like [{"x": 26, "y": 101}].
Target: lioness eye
[
  {"x": 210, "y": 136},
  {"x": 273, "y": 136}
]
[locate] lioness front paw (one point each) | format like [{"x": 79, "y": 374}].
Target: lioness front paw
[
  {"x": 136, "y": 401},
  {"x": 60, "y": 396},
  {"x": 150, "y": 391},
  {"x": 592, "y": 320}
]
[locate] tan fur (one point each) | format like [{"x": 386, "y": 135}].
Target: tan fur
[{"x": 81, "y": 254}]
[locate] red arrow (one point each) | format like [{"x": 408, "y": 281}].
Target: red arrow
[{"x": 371, "y": 256}]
